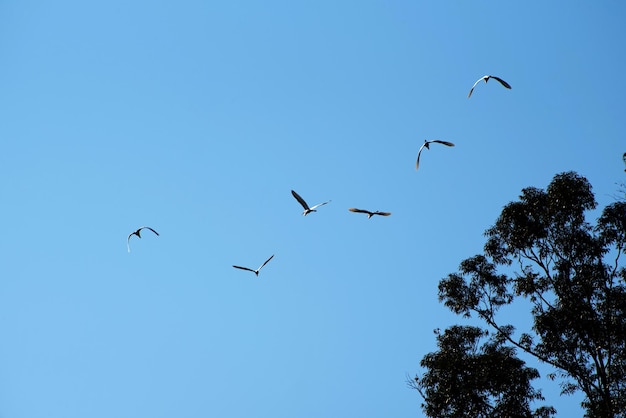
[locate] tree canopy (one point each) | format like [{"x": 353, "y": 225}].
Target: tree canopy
[{"x": 543, "y": 250}]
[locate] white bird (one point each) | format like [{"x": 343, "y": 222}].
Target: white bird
[
  {"x": 306, "y": 207},
  {"x": 369, "y": 214},
  {"x": 426, "y": 144},
  {"x": 257, "y": 270},
  {"x": 486, "y": 78},
  {"x": 138, "y": 233}
]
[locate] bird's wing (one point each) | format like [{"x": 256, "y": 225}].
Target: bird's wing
[
  {"x": 147, "y": 227},
  {"x": 359, "y": 210},
  {"x": 320, "y": 204},
  {"x": 477, "y": 81},
  {"x": 266, "y": 261},
  {"x": 450, "y": 144},
  {"x": 382, "y": 213},
  {"x": 299, "y": 199},
  {"x": 244, "y": 268},
  {"x": 128, "y": 240},
  {"x": 417, "y": 164},
  {"x": 504, "y": 83}
]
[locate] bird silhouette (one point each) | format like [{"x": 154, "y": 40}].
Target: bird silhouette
[
  {"x": 138, "y": 233},
  {"x": 369, "y": 214},
  {"x": 624, "y": 158},
  {"x": 257, "y": 270},
  {"x": 306, "y": 207},
  {"x": 426, "y": 144},
  {"x": 486, "y": 78}
]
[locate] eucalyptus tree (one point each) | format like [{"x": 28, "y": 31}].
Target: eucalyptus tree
[{"x": 543, "y": 250}]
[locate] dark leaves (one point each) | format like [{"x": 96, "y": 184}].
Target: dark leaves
[
  {"x": 570, "y": 273},
  {"x": 612, "y": 225},
  {"x": 484, "y": 291},
  {"x": 469, "y": 377}
]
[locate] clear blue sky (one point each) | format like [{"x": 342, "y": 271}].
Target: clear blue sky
[{"x": 197, "y": 118}]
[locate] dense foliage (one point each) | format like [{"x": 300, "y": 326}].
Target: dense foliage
[{"x": 543, "y": 250}]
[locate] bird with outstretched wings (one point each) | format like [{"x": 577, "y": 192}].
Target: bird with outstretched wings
[
  {"x": 486, "y": 78},
  {"x": 369, "y": 213},
  {"x": 426, "y": 145},
  {"x": 138, "y": 233},
  {"x": 306, "y": 207},
  {"x": 257, "y": 270}
]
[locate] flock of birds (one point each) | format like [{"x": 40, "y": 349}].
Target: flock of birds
[{"x": 369, "y": 214}]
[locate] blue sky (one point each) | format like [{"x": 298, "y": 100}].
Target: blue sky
[{"x": 197, "y": 118}]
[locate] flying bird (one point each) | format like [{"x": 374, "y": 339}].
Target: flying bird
[
  {"x": 306, "y": 207},
  {"x": 257, "y": 270},
  {"x": 138, "y": 233},
  {"x": 426, "y": 144},
  {"x": 486, "y": 78},
  {"x": 624, "y": 158},
  {"x": 369, "y": 214}
]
